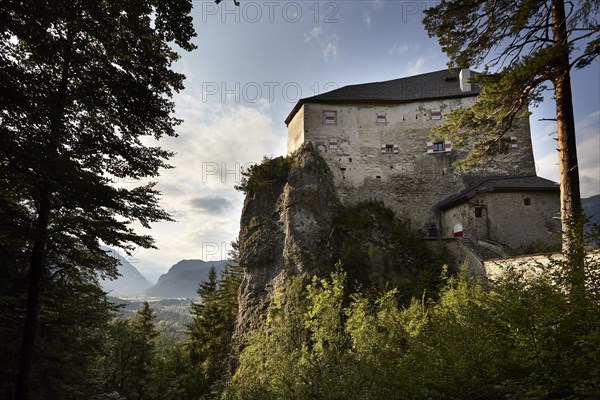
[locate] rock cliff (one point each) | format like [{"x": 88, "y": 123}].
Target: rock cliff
[
  {"x": 285, "y": 226},
  {"x": 293, "y": 223}
]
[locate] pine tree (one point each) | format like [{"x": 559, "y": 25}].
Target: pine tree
[
  {"x": 132, "y": 354},
  {"x": 213, "y": 323},
  {"x": 535, "y": 42},
  {"x": 205, "y": 331}
]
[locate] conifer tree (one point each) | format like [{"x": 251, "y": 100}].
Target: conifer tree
[
  {"x": 132, "y": 353},
  {"x": 213, "y": 323},
  {"x": 527, "y": 43},
  {"x": 205, "y": 331}
]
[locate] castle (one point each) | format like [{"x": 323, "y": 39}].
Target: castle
[{"x": 375, "y": 139}]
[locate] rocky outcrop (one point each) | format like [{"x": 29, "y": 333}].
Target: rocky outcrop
[
  {"x": 293, "y": 223},
  {"x": 285, "y": 227}
]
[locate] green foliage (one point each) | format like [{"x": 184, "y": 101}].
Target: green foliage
[
  {"x": 82, "y": 84},
  {"x": 378, "y": 249},
  {"x": 209, "y": 334},
  {"x": 515, "y": 338},
  {"x": 270, "y": 172},
  {"x": 73, "y": 325},
  {"x": 131, "y": 357},
  {"x": 528, "y": 43}
]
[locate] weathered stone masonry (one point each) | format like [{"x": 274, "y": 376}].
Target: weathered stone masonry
[{"x": 375, "y": 138}]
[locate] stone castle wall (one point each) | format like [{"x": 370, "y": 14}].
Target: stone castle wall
[
  {"x": 407, "y": 178},
  {"x": 507, "y": 218}
]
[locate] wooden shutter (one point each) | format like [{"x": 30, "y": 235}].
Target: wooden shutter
[
  {"x": 429, "y": 147},
  {"x": 448, "y": 145},
  {"x": 330, "y": 117}
]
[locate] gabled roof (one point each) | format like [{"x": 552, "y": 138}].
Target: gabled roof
[
  {"x": 502, "y": 184},
  {"x": 442, "y": 84}
]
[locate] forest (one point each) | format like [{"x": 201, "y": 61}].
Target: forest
[{"x": 324, "y": 338}]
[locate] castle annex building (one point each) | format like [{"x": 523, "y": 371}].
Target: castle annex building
[{"x": 375, "y": 138}]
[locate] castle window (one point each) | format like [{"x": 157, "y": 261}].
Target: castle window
[
  {"x": 455, "y": 106},
  {"x": 478, "y": 212},
  {"x": 526, "y": 201},
  {"x": 389, "y": 149},
  {"x": 330, "y": 117},
  {"x": 333, "y": 143},
  {"x": 381, "y": 118},
  {"x": 436, "y": 114},
  {"x": 439, "y": 147}
]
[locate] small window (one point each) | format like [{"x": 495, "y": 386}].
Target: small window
[
  {"x": 330, "y": 117},
  {"x": 439, "y": 147},
  {"x": 390, "y": 149},
  {"x": 455, "y": 106},
  {"x": 333, "y": 143},
  {"x": 436, "y": 114},
  {"x": 526, "y": 201},
  {"x": 381, "y": 118},
  {"x": 478, "y": 212}
]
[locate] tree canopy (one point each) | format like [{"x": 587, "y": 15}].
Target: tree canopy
[
  {"x": 84, "y": 88},
  {"x": 522, "y": 45}
]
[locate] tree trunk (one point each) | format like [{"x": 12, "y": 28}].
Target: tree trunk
[
  {"x": 570, "y": 197},
  {"x": 38, "y": 261}
]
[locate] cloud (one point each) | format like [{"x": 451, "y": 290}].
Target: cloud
[
  {"x": 417, "y": 67},
  {"x": 588, "y": 153},
  {"x": 313, "y": 34},
  {"x": 215, "y": 141},
  {"x": 398, "y": 49},
  {"x": 212, "y": 205},
  {"x": 588, "y": 143},
  {"x": 326, "y": 42},
  {"x": 377, "y": 4},
  {"x": 330, "y": 50},
  {"x": 367, "y": 19}
]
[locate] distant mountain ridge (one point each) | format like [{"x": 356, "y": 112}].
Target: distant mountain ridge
[
  {"x": 130, "y": 282},
  {"x": 591, "y": 209},
  {"x": 183, "y": 278}
]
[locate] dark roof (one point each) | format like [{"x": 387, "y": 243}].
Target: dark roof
[
  {"x": 433, "y": 85},
  {"x": 502, "y": 184}
]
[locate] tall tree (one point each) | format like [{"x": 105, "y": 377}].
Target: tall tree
[
  {"x": 211, "y": 329},
  {"x": 528, "y": 43},
  {"x": 131, "y": 354},
  {"x": 205, "y": 331},
  {"x": 81, "y": 84}
]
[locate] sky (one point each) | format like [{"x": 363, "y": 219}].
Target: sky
[{"x": 254, "y": 62}]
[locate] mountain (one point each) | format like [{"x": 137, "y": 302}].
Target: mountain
[
  {"x": 591, "y": 208},
  {"x": 130, "y": 282},
  {"x": 183, "y": 278}
]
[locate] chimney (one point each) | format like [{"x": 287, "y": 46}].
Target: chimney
[{"x": 464, "y": 76}]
